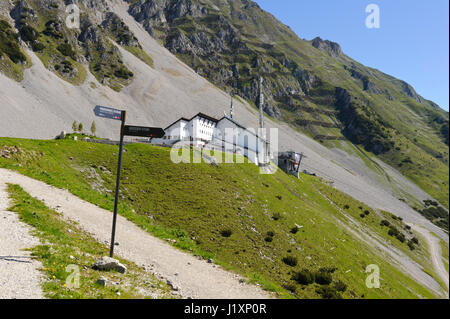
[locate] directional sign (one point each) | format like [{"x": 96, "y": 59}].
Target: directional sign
[
  {"x": 109, "y": 113},
  {"x": 141, "y": 131}
]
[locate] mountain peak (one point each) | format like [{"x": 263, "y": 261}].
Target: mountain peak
[{"x": 333, "y": 49}]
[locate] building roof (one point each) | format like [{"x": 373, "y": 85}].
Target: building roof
[
  {"x": 241, "y": 126},
  {"x": 212, "y": 119},
  {"x": 202, "y": 115},
  {"x": 179, "y": 120}
]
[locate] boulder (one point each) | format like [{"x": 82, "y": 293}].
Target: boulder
[
  {"x": 107, "y": 264},
  {"x": 103, "y": 281}
]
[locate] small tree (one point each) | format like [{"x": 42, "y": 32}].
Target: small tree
[
  {"x": 80, "y": 127},
  {"x": 93, "y": 128},
  {"x": 75, "y": 126}
]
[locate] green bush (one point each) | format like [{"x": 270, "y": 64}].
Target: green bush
[
  {"x": 226, "y": 233},
  {"x": 9, "y": 43},
  {"x": 329, "y": 270},
  {"x": 304, "y": 277},
  {"x": 327, "y": 292},
  {"x": 323, "y": 278},
  {"x": 290, "y": 261},
  {"x": 401, "y": 237},
  {"x": 340, "y": 286},
  {"x": 393, "y": 231},
  {"x": 28, "y": 33},
  {"x": 294, "y": 230},
  {"x": 290, "y": 287},
  {"x": 123, "y": 73},
  {"x": 37, "y": 46},
  {"x": 276, "y": 216},
  {"x": 385, "y": 223},
  {"x": 66, "y": 50}
]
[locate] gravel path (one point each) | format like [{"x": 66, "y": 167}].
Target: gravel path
[
  {"x": 435, "y": 252},
  {"x": 194, "y": 278},
  {"x": 19, "y": 274}
]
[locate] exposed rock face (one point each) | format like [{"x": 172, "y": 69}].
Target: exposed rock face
[
  {"x": 361, "y": 125},
  {"x": 409, "y": 91},
  {"x": 367, "y": 84},
  {"x": 114, "y": 25},
  {"x": 333, "y": 49},
  {"x": 217, "y": 45},
  {"x": 61, "y": 48}
]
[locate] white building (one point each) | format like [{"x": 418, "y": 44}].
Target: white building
[
  {"x": 199, "y": 129},
  {"x": 225, "y": 135},
  {"x": 234, "y": 137}
]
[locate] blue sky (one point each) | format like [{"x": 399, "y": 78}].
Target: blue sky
[{"x": 411, "y": 44}]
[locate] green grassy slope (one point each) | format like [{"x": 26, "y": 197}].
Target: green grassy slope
[{"x": 266, "y": 227}]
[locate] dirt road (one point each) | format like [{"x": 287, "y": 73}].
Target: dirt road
[{"x": 435, "y": 253}]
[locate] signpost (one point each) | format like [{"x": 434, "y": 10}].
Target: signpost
[
  {"x": 109, "y": 113},
  {"x": 125, "y": 130},
  {"x": 154, "y": 132}
]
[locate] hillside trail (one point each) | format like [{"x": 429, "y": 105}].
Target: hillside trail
[
  {"x": 20, "y": 277},
  {"x": 435, "y": 253},
  {"x": 191, "y": 276}
]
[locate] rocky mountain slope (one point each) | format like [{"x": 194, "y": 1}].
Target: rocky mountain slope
[{"x": 55, "y": 75}]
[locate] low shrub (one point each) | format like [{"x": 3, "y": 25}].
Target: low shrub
[
  {"x": 226, "y": 233},
  {"x": 123, "y": 73},
  {"x": 323, "y": 278},
  {"x": 28, "y": 33},
  {"x": 294, "y": 230},
  {"x": 9, "y": 43},
  {"x": 340, "y": 286},
  {"x": 290, "y": 287},
  {"x": 304, "y": 277},
  {"x": 401, "y": 237},
  {"x": 276, "y": 216},
  {"x": 290, "y": 261},
  {"x": 37, "y": 46},
  {"x": 393, "y": 231},
  {"x": 327, "y": 292},
  {"x": 386, "y": 223},
  {"x": 329, "y": 270},
  {"x": 66, "y": 50}
]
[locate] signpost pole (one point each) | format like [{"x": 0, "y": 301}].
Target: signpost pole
[{"x": 119, "y": 167}]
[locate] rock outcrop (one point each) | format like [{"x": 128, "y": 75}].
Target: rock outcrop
[{"x": 333, "y": 49}]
